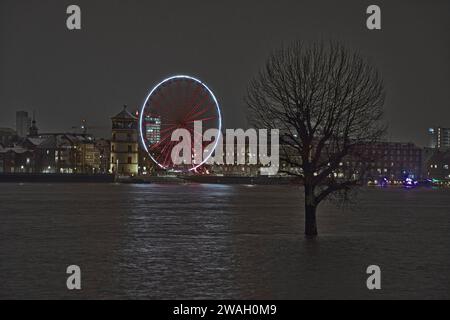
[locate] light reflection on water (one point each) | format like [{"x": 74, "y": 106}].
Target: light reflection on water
[{"x": 219, "y": 242}]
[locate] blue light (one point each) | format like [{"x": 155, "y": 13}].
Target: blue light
[
  {"x": 410, "y": 183},
  {"x": 384, "y": 182}
]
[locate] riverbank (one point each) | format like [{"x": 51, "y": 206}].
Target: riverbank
[
  {"x": 262, "y": 180},
  {"x": 108, "y": 178},
  {"x": 209, "y": 180},
  {"x": 56, "y": 178}
]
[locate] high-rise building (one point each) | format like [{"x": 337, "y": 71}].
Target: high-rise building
[
  {"x": 23, "y": 123},
  {"x": 440, "y": 138},
  {"x": 152, "y": 129},
  {"x": 125, "y": 144}
]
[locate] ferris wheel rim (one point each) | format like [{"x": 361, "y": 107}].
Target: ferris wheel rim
[{"x": 217, "y": 106}]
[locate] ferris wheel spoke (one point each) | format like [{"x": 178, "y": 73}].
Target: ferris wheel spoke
[
  {"x": 200, "y": 113},
  {"x": 168, "y": 101},
  {"x": 164, "y": 149},
  {"x": 159, "y": 98},
  {"x": 167, "y": 158},
  {"x": 194, "y": 97},
  {"x": 156, "y": 145},
  {"x": 162, "y": 162},
  {"x": 178, "y": 103},
  {"x": 160, "y": 157},
  {"x": 164, "y": 138},
  {"x": 170, "y": 128},
  {"x": 156, "y": 103},
  {"x": 203, "y": 98},
  {"x": 196, "y": 106},
  {"x": 175, "y": 95},
  {"x": 203, "y": 120}
]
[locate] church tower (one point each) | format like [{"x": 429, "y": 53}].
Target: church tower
[
  {"x": 33, "y": 131},
  {"x": 125, "y": 144}
]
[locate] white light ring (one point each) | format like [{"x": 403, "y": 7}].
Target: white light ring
[{"x": 141, "y": 128}]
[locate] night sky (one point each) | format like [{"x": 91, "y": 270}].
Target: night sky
[{"x": 127, "y": 46}]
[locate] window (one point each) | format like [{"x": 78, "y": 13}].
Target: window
[
  {"x": 130, "y": 149},
  {"x": 129, "y": 160}
]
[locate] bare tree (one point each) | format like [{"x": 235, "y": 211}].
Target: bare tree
[{"x": 326, "y": 101}]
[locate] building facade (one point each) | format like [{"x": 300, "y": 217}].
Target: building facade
[
  {"x": 52, "y": 153},
  {"x": 438, "y": 166},
  {"x": 383, "y": 160},
  {"x": 104, "y": 149},
  {"x": 440, "y": 138},
  {"x": 65, "y": 153},
  {"x": 125, "y": 144},
  {"x": 7, "y": 136},
  {"x": 16, "y": 160},
  {"x": 152, "y": 129}
]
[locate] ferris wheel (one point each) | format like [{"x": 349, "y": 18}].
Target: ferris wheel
[{"x": 176, "y": 103}]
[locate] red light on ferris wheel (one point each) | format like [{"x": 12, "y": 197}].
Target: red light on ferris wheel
[{"x": 177, "y": 103}]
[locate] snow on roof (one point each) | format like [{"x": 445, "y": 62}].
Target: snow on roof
[
  {"x": 19, "y": 149},
  {"x": 7, "y": 131},
  {"x": 15, "y": 149},
  {"x": 37, "y": 141}
]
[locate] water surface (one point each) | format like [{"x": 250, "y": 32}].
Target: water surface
[{"x": 219, "y": 242}]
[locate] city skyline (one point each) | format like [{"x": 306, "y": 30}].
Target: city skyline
[
  {"x": 83, "y": 153},
  {"x": 85, "y": 126},
  {"x": 227, "y": 52}
]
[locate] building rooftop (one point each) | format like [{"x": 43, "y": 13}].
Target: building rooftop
[
  {"x": 125, "y": 115},
  {"x": 37, "y": 141},
  {"x": 15, "y": 149}
]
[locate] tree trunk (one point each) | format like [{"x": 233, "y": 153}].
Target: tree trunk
[
  {"x": 310, "y": 213},
  {"x": 310, "y": 222}
]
